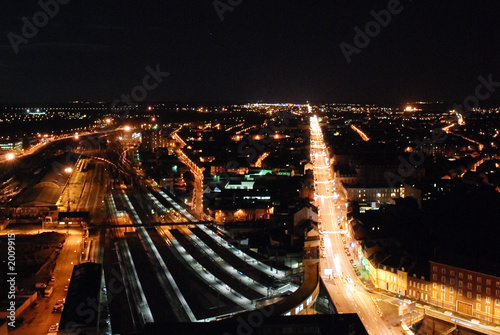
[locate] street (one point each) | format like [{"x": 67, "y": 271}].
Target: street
[
  {"x": 37, "y": 320},
  {"x": 346, "y": 289}
]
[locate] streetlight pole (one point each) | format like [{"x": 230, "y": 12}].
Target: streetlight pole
[{"x": 68, "y": 170}]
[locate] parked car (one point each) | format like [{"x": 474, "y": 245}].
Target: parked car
[
  {"x": 59, "y": 306},
  {"x": 57, "y": 309},
  {"x": 54, "y": 328}
]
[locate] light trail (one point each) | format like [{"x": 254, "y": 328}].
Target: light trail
[
  {"x": 447, "y": 128},
  {"x": 360, "y": 132},
  {"x": 258, "y": 163}
]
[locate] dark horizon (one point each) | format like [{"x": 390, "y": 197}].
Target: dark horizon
[
  {"x": 425, "y": 106},
  {"x": 259, "y": 51}
]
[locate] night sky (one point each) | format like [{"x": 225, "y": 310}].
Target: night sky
[{"x": 261, "y": 50}]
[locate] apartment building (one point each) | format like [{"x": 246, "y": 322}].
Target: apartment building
[
  {"x": 450, "y": 287},
  {"x": 466, "y": 291}
]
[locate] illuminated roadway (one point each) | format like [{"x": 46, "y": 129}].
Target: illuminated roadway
[
  {"x": 360, "y": 132},
  {"x": 345, "y": 288}
]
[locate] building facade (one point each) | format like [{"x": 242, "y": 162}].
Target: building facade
[
  {"x": 453, "y": 288},
  {"x": 465, "y": 291},
  {"x": 419, "y": 288}
]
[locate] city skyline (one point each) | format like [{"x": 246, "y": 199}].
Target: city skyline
[
  {"x": 379, "y": 217},
  {"x": 249, "y": 167}
]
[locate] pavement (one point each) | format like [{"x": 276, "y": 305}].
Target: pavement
[
  {"x": 37, "y": 320},
  {"x": 85, "y": 191}
]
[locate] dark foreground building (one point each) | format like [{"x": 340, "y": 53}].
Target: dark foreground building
[
  {"x": 81, "y": 311},
  {"x": 259, "y": 324}
]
